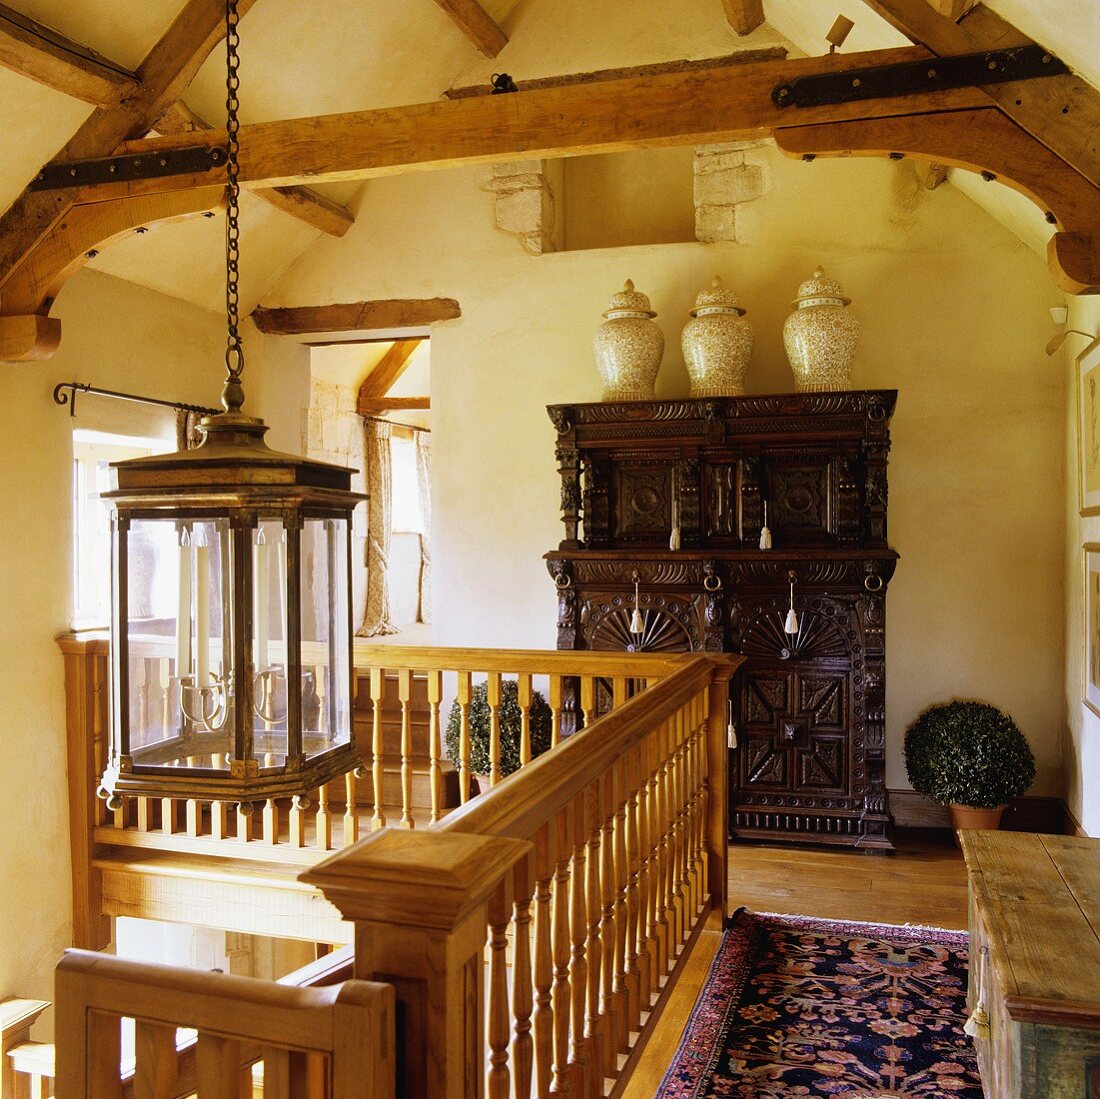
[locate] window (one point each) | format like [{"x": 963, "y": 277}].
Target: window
[
  {"x": 405, "y": 516},
  {"x": 93, "y": 452}
]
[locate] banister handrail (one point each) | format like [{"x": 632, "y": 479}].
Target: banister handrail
[
  {"x": 531, "y": 661},
  {"x": 527, "y": 799}
]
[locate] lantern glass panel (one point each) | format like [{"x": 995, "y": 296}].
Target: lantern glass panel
[
  {"x": 269, "y": 643},
  {"x": 326, "y": 641}
]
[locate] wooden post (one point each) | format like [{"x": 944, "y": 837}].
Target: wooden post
[
  {"x": 16, "y": 1019},
  {"x": 85, "y": 713},
  {"x": 419, "y": 901},
  {"x": 717, "y": 829}
]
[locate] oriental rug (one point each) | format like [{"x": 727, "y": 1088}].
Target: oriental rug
[{"x": 806, "y": 1007}]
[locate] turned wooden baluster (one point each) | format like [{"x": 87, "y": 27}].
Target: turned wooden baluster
[
  {"x": 633, "y": 971},
  {"x": 588, "y": 699},
  {"x": 664, "y": 876},
  {"x": 404, "y": 694},
  {"x": 698, "y": 803},
  {"x": 621, "y": 1000},
  {"x": 272, "y": 821},
  {"x": 594, "y": 1028},
  {"x": 523, "y": 693},
  {"x": 677, "y": 839},
  {"x": 523, "y": 1047},
  {"x": 544, "y": 964},
  {"x": 561, "y": 990},
  {"x": 219, "y": 820},
  {"x": 499, "y": 1030},
  {"x": 608, "y": 931},
  {"x": 245, "y": 816},
  {"x": 492, "y": 696},
  {"x": 351, "y": 810},
  {"x": 193, "y": 817},
  {"x": 323, "y": 821},
  {"x": 652, "y": 864},
  {"x": 435, "y": 744},
  {"x": 464, "y": 692},
  {"x": 578, "y": 969},
  {"x": 378, "y": 772},
  {"x": 556, "y": 702},
  {"x": 296, "y": 820}
]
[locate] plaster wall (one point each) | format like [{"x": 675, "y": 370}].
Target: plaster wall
[
  {"x": 1082, "y": 729},
  {"x": 954, "y": 315},
  {"x": 116, "y": 336}
]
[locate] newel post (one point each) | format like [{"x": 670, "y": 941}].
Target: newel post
[
  {"x": 718, "y": 801},
  {"x": 86, "y": 716},
  {"x": 419, "y": 901}
]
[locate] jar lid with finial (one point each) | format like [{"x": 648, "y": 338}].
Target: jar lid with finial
[
  {"x": 629, "y": 302},
  {"x": 717, "y": 299},
  {"x": 820, "y": 290}
]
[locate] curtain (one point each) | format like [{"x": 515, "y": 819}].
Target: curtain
[
  {"x": 424, "y": 490},
  {"x": 376, "y": 620},
  {"x": 187, "y": 430}
]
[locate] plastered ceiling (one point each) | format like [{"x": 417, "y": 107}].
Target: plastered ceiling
[{"x": 329, "y": 56}]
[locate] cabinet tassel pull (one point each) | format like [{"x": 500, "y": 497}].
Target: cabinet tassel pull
[
  {"x": 731, "y": 730},
  {"x": 765, "y": 531},
  {"x": 977, "y": 1023},
  {"x": 674, "y": 537}
]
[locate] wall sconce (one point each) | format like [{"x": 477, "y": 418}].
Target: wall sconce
[
  {"x": 791, "y": 625},
  {"x": 838, "y": 32},
  {"x": 1057, "y": 341}
]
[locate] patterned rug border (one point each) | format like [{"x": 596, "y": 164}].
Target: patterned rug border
[{"x": 742, "y": 921}]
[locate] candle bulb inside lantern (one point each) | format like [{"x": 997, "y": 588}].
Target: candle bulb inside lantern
[
  {"x": 202, "y": 610},
  {"x": 260, "y": 584},
  {"x": 183, "y": 613}
]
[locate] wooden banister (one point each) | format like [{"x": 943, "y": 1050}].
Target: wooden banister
[
  {"x": 303, "y": 1035},
  {"x": 16, "y": 1019},
  {"x": 599, "y": 861}
]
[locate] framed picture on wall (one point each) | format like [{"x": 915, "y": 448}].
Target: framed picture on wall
[
  {"x": 1088, "y": 431},
  {"x": 1092, "y": 627}
]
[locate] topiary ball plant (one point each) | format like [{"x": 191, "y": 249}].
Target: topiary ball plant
[
  {"x": 510, "y": 728},
  {"x": 968, "y": 753}
]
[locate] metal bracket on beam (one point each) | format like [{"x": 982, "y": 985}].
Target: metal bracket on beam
[
  {"x": 113, "y": 169},
  {"x": 914, "y": 77}
]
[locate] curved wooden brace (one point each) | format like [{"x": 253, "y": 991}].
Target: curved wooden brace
[
  {"x": 980, "y": 141},
  {"x": 31, "y": 288}
]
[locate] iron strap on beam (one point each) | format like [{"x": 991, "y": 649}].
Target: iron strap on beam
[
  {"x": 913, "y": 77},
  {"x": 170, "y": 162}
]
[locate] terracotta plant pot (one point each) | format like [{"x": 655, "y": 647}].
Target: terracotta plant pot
[{"x": 967, "y": 816}]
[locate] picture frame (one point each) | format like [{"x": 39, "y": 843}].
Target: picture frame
[
  {"x": 1091, "y": 676},
  {"x": 1088, "y": 431}
]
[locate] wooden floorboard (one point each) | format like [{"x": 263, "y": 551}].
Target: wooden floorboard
[{"x": 923, "y": 883}]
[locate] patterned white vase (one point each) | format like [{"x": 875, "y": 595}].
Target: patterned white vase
[
  {"x": 821, "y": 336},
  {"x": 629, "y": 347},
  {"x": 717, "y": 344}
]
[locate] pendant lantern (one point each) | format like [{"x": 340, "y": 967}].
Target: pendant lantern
[{"x": 231, "y": 630}]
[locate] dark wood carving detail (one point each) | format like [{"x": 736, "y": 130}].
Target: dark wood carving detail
[{"x": 809, "y": 708}]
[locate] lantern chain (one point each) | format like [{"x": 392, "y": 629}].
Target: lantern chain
[{"x": 234, "y": 353}]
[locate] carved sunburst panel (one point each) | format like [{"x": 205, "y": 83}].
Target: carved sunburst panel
[
  {"x": 663, "y": 632},
  {"x": 818, "y": 637}
]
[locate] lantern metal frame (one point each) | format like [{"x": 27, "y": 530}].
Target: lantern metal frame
[{"x": 232, "y": 477}]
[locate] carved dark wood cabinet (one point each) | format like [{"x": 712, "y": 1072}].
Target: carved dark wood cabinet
[{"x": 808, "y": 708}]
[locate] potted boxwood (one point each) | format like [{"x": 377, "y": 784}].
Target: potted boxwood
[
  {"x": 969, "y": 756},
  {"x": 510, "y": 728}
]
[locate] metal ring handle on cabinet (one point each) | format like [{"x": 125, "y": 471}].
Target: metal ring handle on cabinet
[
  {"x": 563, "y": 580},
  {"x": 873, "y": 582},
  {"x": 712, "y": 583}
]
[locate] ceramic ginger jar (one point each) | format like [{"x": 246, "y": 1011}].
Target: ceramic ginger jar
[
  {"x": 629, "y": 347},
  {"x": 820, "y": 336},
  {"x": 717, "y": 344}
]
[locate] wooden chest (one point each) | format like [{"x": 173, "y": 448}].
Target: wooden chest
[{"x": 1035, "y": 962}]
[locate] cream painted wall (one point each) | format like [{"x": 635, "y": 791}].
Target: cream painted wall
[
  {"x": 116, "y": 336},
  {"x": 954, "y": 315},
  {"x": 1082, "y": 739}
]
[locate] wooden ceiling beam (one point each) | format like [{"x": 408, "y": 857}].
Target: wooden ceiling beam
[
  {"x": 476, "y": 24},
  {"x": 355, "y": 316},
  {"x": 1063, "y": 112},
  {"x": 164, "y": 74},
  {"x": 696, "y": 107},
  {"x": 981, "y": 141},
  {"x": 392, "y": 365},
  {"x": 44, "y": 55},
  {"x": 303, "y": 203},
  {"x": 744, "y": 15},
  {"x": 372, "y": 405},
  {"x": 28, "y": 338},
  {"x": 953, "y": 9}
]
